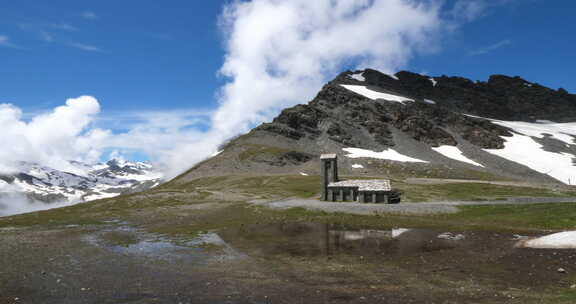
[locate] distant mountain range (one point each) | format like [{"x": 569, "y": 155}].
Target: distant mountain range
[
  {"x": 89, "y": 182},
  {"x": 413, "y": 125}
]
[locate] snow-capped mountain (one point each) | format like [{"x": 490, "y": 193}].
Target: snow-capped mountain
[{"x": 88, "y": 182}]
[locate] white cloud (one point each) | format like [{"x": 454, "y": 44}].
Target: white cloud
[
  {"x": 13, "y": 202},
  {"x": 45, "y": 36},
  {"x": 86, "y": 47},
  {"x": 64, "y": 27},
  {"x": 468, "y": 10},
  {"x": 50, "y": 138},
  {"x": 464, "y": 11},
  {"x": 78, "y": 131},
  {"x": 89, "y": 15},
  {"x": 280, "y": 52},
  {"x": 490, "y": 48},
  {"x": 5, "y": 42}
]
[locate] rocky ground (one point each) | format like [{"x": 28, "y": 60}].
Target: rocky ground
[{"x": 193, "y": 244}]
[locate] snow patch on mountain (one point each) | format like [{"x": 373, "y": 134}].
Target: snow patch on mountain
[
  {"x": 358, "y": 76},
  {"x": 526, "y": 151},
  {"x": 562, "y": 131},
  {"x": 455, "y": 153},
  {"x": 371, "y": 94},
  {"x": 389, "y": 154}
]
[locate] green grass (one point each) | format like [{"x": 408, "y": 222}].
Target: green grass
[
  {"x": 252, "y": 150},
  {"x": 281, "y": 186},
  {"x": 554, "y": 216},
  {"x": 472, "y": 191},
  {"x": 274, "y": 186},
  {"x": 160, "y": 208}
]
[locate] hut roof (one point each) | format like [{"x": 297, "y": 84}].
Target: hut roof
[{"x": 365, "y": 185}]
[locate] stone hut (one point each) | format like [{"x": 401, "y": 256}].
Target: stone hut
[{"x": 363, "y": 191}]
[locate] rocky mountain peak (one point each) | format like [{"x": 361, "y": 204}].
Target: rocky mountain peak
[{"x": 444, "y": 121}]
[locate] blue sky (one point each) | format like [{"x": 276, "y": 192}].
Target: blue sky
[
  {"x": 153, "y": 66},
  {"x": 535, "y": 39},
  {"x": 131, "y": 56},
  {"x": 156, "y": 55}
]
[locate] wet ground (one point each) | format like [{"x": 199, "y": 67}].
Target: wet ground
[{"x": 297, "y": 262}]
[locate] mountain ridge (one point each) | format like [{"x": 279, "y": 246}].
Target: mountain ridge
[
  {"x": 43, "y": 184},
  {"x": 439, "y": 120}
]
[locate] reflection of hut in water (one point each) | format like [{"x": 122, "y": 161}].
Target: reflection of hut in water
[
  {"x": 318, "y": 239},
  {"x": 364, "y": 191}
]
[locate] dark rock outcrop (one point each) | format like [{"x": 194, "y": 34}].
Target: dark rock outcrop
[{"x": 342, "y": 114}]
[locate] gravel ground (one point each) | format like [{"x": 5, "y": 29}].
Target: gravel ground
[{"x": 423, "y": 208}]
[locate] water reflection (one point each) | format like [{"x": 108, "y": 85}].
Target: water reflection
[
  {"x": 316, "y": 239},
  {"x": 124, "y": 240}
]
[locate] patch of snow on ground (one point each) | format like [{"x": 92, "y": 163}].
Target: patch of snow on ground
[
  {"x": 357, "y": 166},
  {"x": 393, "y": 76},
  {"x": 397, "y": 232},
  {"x": 566, "y": 239},
  {"x": 303, "y": 174},
  {"x": 358, "y": 76},
  {"x": 364, "y": 91},
  {"x": 429, "y": 101},
  {"x": 389, "y": 154},
  {"x": 451, "y": 236},
  {"x": 524, "y": 150},
  {"x": 455, "y": 153},
  {"x": 434, "y": 82},
  {"x": 216, "y": 153}
]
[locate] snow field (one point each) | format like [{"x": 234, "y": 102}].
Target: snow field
[
  {"x": 455, "y": 153},
  {"x": 389, "y": 154},
  {"x": 364, "y": 91}
]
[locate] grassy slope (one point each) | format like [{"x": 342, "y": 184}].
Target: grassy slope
[{"x": 157, "y": 207}]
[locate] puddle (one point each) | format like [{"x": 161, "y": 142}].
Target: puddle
[
  {"x": 130, "y": 241},
  {"x": 315, "y": 239}
]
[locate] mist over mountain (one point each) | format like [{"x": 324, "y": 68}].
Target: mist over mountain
[{"x": 37, "y": 187}]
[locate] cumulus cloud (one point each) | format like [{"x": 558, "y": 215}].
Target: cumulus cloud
[
  {"x": 50, "y": 138},
  {"x": 78, "y": 131},
  {"x": 279, "y": 53}
]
